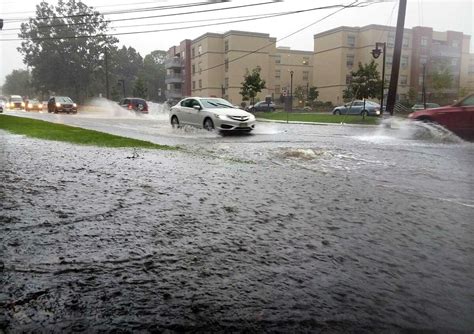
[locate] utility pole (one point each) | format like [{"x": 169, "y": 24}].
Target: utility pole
[
  {"x": 106, "y": 74},
  {"x": 397, "y": 53}
]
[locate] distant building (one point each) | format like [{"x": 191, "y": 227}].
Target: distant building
[
  {"x": 220, "y": 61},
  {"x": 338, "y": 51},
  {"x": 215, "y": 64}
]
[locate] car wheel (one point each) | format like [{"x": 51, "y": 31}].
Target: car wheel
[
  {"x": 208, "y": 124},
  {"x": 174, "y": 122},
  {"x": 364, "y": 113},
  {"x": 336, "y": 112},
  {"x": 140, "y": 107}
]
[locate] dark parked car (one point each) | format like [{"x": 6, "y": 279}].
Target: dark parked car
[
  {"x": 262, "y": 106},
  {"x": 358, "y": 108},
  {"x": 33, "y": 104},
  {"x": 134, "y": 103},
  {"x": 61, "y": 104},
  {"x": 458, "y": 118},
  {"x": 16, "y": 102}
]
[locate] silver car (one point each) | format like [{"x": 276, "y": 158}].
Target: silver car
[
  {"x": 211, "y": 113},
  {"x": 358, "y": 108}
]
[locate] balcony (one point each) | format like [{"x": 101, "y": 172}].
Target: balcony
[
  {"x": 174, "y": 78},
  {"x": 173, "y": 63},
  {"x": 173, "y": 94}
]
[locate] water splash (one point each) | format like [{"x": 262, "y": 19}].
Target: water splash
[
  {"x": 395, "y": 129},
  {"x": 103, "y": 108}
]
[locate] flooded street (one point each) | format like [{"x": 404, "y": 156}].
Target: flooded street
[{"x": 293, "y": 228}]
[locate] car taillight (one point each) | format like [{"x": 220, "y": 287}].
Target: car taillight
[
  {"x": 30, "y": 105},
  {"x": 58, "y": 104},
  {"x": 130, "y": 107},
  {"x": 23, "y": 104}
]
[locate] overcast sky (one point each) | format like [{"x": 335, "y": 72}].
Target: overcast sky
[{"x": 441, "y": 15}]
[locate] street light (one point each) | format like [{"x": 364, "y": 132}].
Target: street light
[
  {"x": 376, "y": 53},
  {"x": 291, "y": 90}
]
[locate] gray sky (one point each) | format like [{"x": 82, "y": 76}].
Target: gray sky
[{"x": 441, "y": 15}]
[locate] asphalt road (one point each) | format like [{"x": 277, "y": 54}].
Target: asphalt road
[{"x": 293, "y": 228}]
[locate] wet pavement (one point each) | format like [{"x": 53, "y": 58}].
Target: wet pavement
[{"x": 295, "y": 228}]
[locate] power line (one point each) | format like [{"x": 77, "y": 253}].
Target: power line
[
  {"x": 168, "y": 15},
  {"x": 97, "y": 13},
  {"x": 351, "y": 5},
  {"x": 246, "y": 17}
]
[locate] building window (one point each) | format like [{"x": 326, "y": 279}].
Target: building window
[
  {"x": 454, "y": 61},
  {"x": 455, "y": 43},
  {"x": 349, "y": 61},
  {"x": 277, "y": 89},
  {"x": 226, "y": 82},
  {"x": 423, "y": 60},
  {"x": 351, "y": 41},
  {"x": 226, "y": 64},
  {"x": 194, "y": 69},
  {"x": 424, "y": 41},
  {"x": 200, "y": 67},
  {"x": 406, "y": 42},
  {"x": 420, "y": 80},
  {"x": 193, "y": 53},
  {"x": 200, "y": 83},
  {"x": 305, "y": 75},
  {"x": 403, "y": 80},
  {"x": 305, "y": 60},
  {"x": 391, "y": 41},
  {"x": 404, "y": 61},
  {"x": 194, "y": 84},
  {"x": 348, "y": 79},
  {"x": 277, "y": 74},
  {"x": 278, "y": 60},
  {"x": 387, "y": 78},
  {"x": 226, "y": 46},
  {"x": 199, "y": 49},
  {"x": 389, "y": 60}
]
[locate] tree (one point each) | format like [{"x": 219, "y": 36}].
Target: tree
[
  {"x": 365, "y": 83},
  {"x": 313, "y": 95},
  {"x": 252, "y": 85},
  {"x": 126, "y": 64},
  {"x": 139, "y": 89},
  {"x": 300, "y": 93},
  {"x": 154, "y": 74},
  {"x": 441, "y": 80},
  {"x": 18, "y": 83},
  {"x": 412, "y": 95},
  {"x": 64, "y": 45}
]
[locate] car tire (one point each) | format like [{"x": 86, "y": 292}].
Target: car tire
[
  {"x": 175, "y": 122},
  {"x": 336, "y": 112},
  {"x": 208, "y": 124}
]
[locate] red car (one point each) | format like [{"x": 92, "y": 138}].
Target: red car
[{"x": 458, "y": 118}]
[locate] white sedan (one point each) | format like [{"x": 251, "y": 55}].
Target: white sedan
[{"x": 211, "y": 113}]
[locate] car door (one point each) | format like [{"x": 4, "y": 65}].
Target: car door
[
  {"x": 196, "y": 117},
  {"x": 465, "y": 121},
  {"x": 356, "y": 108},
  {"x": 183, "y": 111}
]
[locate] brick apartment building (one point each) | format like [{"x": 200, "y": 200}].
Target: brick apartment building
[{"x": 215, "y": 64}]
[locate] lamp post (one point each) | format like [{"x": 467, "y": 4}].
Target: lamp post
[
  {"x": 291, "y": 90},
  {"x": 376, "y": 53}
]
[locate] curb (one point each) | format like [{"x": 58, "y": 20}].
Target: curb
[{"x": 316, "y": 123}]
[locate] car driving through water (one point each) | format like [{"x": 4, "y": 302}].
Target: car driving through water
[
  {"x": 458, "y": 118},
  {"x": 211, "y": 113}
]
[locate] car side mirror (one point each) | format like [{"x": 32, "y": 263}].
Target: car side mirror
[{"x": 197, "y": 107}]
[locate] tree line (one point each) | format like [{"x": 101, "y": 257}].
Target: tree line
[{"x": 68, "y": 52}]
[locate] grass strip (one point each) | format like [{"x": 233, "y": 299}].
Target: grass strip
[
  {"x": 318, "y": 118},
  {"x": 65, "y": 133}
]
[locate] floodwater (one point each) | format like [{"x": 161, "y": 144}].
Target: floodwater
[{"x": 295, "y": 228}]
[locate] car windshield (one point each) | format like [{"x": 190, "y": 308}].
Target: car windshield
[
  {"x": 216, "y": 103},
  {"x": 63, "y": 99}
]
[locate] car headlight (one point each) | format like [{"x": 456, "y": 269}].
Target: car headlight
[
  {"x": 377, "y": 112},
  {"x": 74, "y": 105},
  {"x": 30, "y": 105},
  {"x": 251, "y": 117},
  {"x": 58, "y": 104},
  {"x": 221, "y": 116},
  {"x": 23, "y": 104}
]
